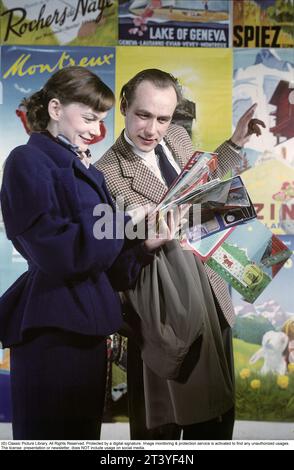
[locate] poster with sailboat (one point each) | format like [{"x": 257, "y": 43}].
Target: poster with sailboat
[{"x": 191, "y": 23}]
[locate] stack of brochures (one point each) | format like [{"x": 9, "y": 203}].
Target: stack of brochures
[
  {"x": 227, "y": 236},
  {"x": 192, "y": 179}
]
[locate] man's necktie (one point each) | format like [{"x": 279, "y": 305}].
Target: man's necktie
[{"x": 168, "y": 172}]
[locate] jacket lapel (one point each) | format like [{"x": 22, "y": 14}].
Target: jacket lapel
[
  {"x": 176, "y": 151},
  {"x": 65, "y": 159},
  {"x": 91, "y": 174},
  {"x": 144, "y": 181}
]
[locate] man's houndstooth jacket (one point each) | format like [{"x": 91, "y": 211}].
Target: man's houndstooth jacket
[{"x": 126, "y": 175}]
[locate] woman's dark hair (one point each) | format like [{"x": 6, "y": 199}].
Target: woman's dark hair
[
  {"x": 70, "y": 85},
  {"x": 158, "y": 78}
]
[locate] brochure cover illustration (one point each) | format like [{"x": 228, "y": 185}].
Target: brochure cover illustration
[
  {"x": 223, "y": 207},
  {"x": 194, "y": 174},
  {"x": 193, "y": 23},
  {"x": 249, "y": 259}
]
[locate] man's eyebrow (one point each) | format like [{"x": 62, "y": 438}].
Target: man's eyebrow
[{"x": 144, "y": 111}]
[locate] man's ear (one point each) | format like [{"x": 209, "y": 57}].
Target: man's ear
[
  {"x": 123, "y": 106},
  {"x": 54, "y": 109}
]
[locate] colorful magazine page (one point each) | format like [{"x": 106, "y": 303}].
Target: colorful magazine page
[
  {"x": 192, "y": 195},
  {"x": 236, "y": 195},
  {"x": 206, "y": 160},
  {"x": 195, "y": 173},
  {"x": 215, "y": 222},
  {"x": 236, "y": 210},
  {"x": 218, "y": 205},
  {"x": 203, "y": 245},
  {"x": 212, "y": 195},
  {"x": 226, "y": 194},
  {"x": 249, "y": 259}
]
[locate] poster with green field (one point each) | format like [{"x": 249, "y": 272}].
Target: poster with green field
[{"x": 263, "y": 338}]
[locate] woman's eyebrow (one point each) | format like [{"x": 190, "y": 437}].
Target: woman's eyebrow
[{"x": 90, "y": 115}]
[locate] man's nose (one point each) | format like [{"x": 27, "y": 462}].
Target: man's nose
[{"x": 151, "y": 126}]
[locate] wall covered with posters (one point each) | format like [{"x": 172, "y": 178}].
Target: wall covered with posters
[
  {"x": 208, "y": 94},
  {"x": 264, "y": 330},
  {"x": 226, "y": 55}
]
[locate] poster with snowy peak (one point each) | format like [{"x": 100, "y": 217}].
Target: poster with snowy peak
[
  {"x": 266, "y": 77},
  {"x": 190, "y": 23}
]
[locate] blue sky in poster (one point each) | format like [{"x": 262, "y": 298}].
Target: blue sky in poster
[
  {"x": 254, "y": 236},
  {"x": 29, "y": 79},
  {"x": 271, "y": 58}
]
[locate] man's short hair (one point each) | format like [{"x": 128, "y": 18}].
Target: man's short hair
[{"x": 158, "y": 78}]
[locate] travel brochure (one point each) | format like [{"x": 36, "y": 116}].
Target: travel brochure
[
  {"x": 249, "y": 258},
  {"x": 227, "y": 235},
  {"x": 192, "y": 179}
]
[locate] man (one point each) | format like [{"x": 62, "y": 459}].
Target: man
[{"x": 133, "y": 168}]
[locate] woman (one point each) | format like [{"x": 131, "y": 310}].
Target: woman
[{"x": 56, "y": 316}]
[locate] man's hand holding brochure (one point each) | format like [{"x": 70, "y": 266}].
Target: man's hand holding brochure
[{"x": 224, "y": 231}]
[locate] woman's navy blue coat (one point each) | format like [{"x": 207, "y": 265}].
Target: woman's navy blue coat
[{"x": 47, "y": 200}]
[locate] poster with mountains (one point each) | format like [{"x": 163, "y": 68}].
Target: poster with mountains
[
  {"x": 263, "y": 337},
  {"x": 265, "y": 76}
]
